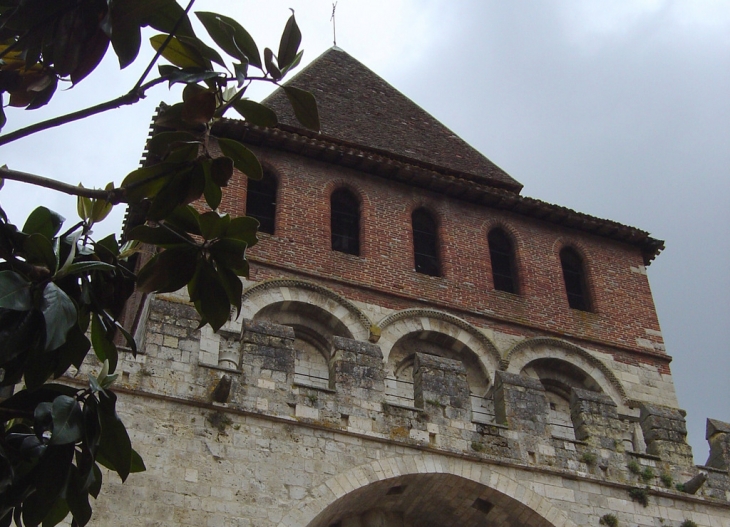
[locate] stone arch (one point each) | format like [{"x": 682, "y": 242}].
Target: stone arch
[
  {"x": 536, "y": 348},
  {"x": 278, "y": 290},
  {"x": 401, "y": 323},
  {"x": 490, "y": 492}
]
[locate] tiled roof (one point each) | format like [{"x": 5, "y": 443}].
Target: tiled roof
[{"x": 357, "y": 106}]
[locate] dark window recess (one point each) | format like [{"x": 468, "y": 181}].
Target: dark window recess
[
  {"x": 575, "y": 280},
  {"x": 261, "y": 202},
  {"x": 345, "y": 222},
  {"x": 503, "y": 261},
  {"x": 425, "y": 243}
]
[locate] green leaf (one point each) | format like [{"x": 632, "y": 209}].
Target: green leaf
[
  {"x": 39, "y": 251},
  {"x": 108, "y": 245},
  {"x": 104, "y": 347},
  {"x": 271, "y": 67},
  {"x": 256, "y": 113},
  {"x": 289, "y": 44},
  {"x": 243, "y": 228},
  {"x": 243, "y": 159},
  {"x": 212, "y": 191},
  {"x": 86, "y": 267},
  {"x": 72, "y": 352},
  {"x": 168, "y": 271},
  {"x": 185, "y": 187},
  {"x": 213, "y": 225},
  {"x": 101, "y": 208},
  {"x": 50, "y": 479},
  {"x": 305, "y": 107},
  {"x": 160, "y": 236},
  {"x": 294, "y": 63},
  {"x": 83, "y": 206},
  {"x": 137, "y": 463},
  {"x": 230, "y": 253},
  {"x": 146, "y": 182},
  {"x": 184, "y": 218},
  {"x": 95, "y": 487},
  {"x": 185, "y": 76},
  {"x": 160, "y": 144},
  {"x": 128, "y": 338},
  {"x": 212, "y": 299},
  {"x": 231, "y": 37},
  {"x": 221, "y": 171},
  {"x": 14, "y": 291},
  {"x": 59, "y": 313},
  {"x": 77, "y": 498},
  {"x": 233, "y": 286},
  {"x": 114, "y": 444},
  {"x": 43, "y": 221},
  {"x": 57, "y": 513},
  {"x": 164, "y": 18},
  {"x": 179, "y": 54},
  {"x": 67, "y": 421},
  {"x": 205, "y": 51}
]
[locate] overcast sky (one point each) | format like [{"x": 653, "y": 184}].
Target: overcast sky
[{"x": 619, "y": 109}]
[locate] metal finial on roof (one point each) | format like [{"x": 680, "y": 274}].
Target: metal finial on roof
[{"x": 332, "y": 19}]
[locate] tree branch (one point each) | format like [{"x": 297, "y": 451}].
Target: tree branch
[{"x": 113, "y": 196}]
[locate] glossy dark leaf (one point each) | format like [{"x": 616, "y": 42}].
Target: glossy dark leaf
[
  {"x": 160, "y": 236},
  {"x": 68, "y": 419},
  {"x": 146, "y": 182},
  {"x": 57, "y": 513},
  {"x": 102, "y": 342},
  {"x": 42, "y": 97},
  {"x": 304, "y": 106},
  {"x": 294, "y": 63},
  {"x": 184, "y": 188},
  {"x": 179, "y": 54},
  {"x": 244, "y": 228},
  {"x": 87, "y": 267},
  {"x": 221, "y": 171},
  {"x": 137, "y": 463},
  {"x": 43, "y": 221},
  {"x": 164, "y": 18},
  {"x": 241, "y": 71},
  {"x": 243, "y": 159},
  {"x": 114, "y": 444},
  {"x": 205, "y": 51},
  {"x": 14, "y": 291},
  {"x": 126, "y": 40},
  {"x": 271, "y": 66},
  {"x": 168, "y": 271},
  {"x": 183, "y": 153},
  {"x": 230, "y": 253},
  {"x": 20, "y": 333},
  {"x": 212, "y": 191},
  {"x": 77, "y": 498},
  {"x": 233, "y": 286},
  {"x": 162, "y": 143},
  {"x": 212, "y": 303},
  {"x": 108, "y": 245},
  {"x": 198, "y": 104},
  {"x": 256, "y": 113},
  {"x": 231, "y": 37},
  {"x": 213, "y": 225},
  {"x": 59, "y": 313},
  {"x": 91, "y": 54},
  {"x": 289, "y": 44},
  {"x": 184, "y": 218},
  {"x": 187, "y": 75},
  {"x": 128, "y": 338},
  {"x": 51, "y": 473},
  {"x": 43, "y": 419},
  {"x": 127, "y": 16},
  {"x": 72, "y": 352},
  {"x": 95, "y": 487},
  {"x": 101, "y": 208},
  {"x": 39, "y": 251}
]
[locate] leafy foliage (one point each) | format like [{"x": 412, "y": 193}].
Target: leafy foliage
[{"x": 62, "y": 292}]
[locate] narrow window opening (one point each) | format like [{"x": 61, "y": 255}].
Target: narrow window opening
[
  {"x": 261, "y": 202},
  {"x": 345, "y": 222},
  {"x": 575, "y": 280},
  {"x": 425, "y": 243},
  {"x": 502, "y": 256}
]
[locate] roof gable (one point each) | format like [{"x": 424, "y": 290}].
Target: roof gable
[{"x": 357, "y": 106}]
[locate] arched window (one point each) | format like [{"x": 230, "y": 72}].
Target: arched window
[
  {"x": 575, "y": 279},
  {"x": 345, "y": 222},
  {"x": 425, "y": 243},
  {"x": 261, "y": 201},
  {"x": 502, "y": 256}
]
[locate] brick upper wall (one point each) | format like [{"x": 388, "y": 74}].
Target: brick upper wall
[{"x": 623, "y": 308}]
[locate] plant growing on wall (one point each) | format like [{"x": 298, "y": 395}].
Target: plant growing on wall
[{"x": 62, "y": 290}]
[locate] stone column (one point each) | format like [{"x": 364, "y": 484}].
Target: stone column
[
  {"x": 267, "y": 353},
  {"x": 595, "y": 418},
  {"x": 665, "y": 433},
  {"x": 357, "y": 370},
  {"x": 521, "y": 404},
  {"x": 718, "y": 436},
  {"x": 440, "y": 387}
]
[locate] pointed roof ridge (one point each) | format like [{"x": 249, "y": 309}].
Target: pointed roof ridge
[{"x": 357, "y": 106}]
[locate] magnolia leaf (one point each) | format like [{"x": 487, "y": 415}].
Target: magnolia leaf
[
  {"x": 114, "y": 444},
  {"x": 256, "y": 113},
  {"x": 67, "y": 420},
  {"x": 14, "y": 291},
  {"x": 289, "y": 44},
  {"x": 304, "y": 105},
  {"x": 59, "y": 313},
  {"x": 231, "y": 37},
  {"x": 243, "y": 159},
  {"x": 43, "y": 221},
  {"x": 271, "y": 67},
  {"x": 104, "y": 347},
  {"x": 39, "y": 251},
  {"x": 179, "y": 54}
]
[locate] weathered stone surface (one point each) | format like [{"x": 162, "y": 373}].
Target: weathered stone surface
[
  {"x": 521, "y": 404},
  {"x": 718, "y": 436},
  {"x": 441, "y": 388}
]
